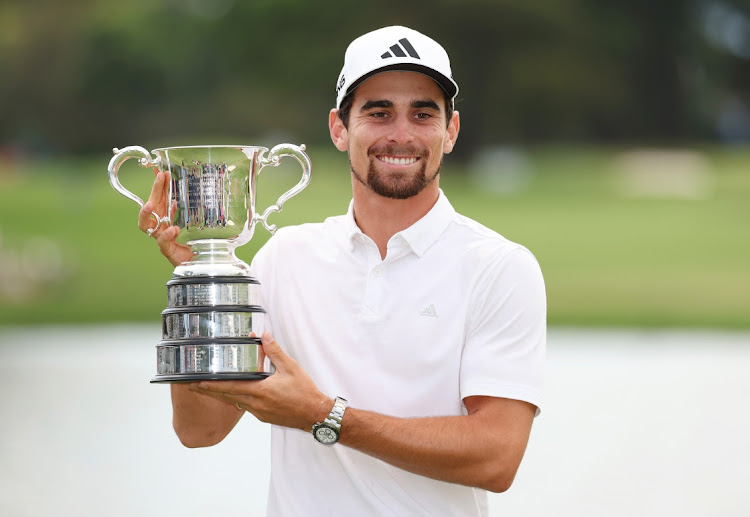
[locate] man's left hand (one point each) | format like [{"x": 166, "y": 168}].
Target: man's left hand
[{"x": 287, "y": 398}]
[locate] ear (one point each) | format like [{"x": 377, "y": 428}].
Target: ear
[
  {"x": 339, "y": 134},
  {"x": 452, "y": 133}
]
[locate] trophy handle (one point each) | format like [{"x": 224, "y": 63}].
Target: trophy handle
[
  {"x": 144, "y": 160},
  {"x": 274, "y": 158}
]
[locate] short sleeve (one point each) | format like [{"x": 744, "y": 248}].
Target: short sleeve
[{"x": 505, "y": 337}]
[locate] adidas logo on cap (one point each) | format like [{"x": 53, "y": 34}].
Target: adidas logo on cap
[{"x": 401, "y": 50}]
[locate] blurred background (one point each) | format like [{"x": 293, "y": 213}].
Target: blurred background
[{"x": 610, "y": 138}]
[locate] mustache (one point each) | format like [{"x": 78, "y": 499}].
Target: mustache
[{"x": 397, "y": 150}]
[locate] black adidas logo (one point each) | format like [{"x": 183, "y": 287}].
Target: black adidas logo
[{"x": 398, "y": 50}]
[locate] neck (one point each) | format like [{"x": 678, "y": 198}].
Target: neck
[{"x": 380, "y": 218}]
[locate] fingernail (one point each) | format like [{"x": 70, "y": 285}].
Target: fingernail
[
  {"x": 202, "y": 385},
  {"x": 148, "y": 206},
  {"x": 266, "y": 338}
]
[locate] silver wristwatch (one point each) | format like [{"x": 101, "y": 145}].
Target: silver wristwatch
[{"x": 328, "y": 431}]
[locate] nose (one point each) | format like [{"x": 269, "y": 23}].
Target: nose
[{"x": 400, "y": 130}]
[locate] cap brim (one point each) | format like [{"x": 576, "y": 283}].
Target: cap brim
[{"x": 444, "y": 82}]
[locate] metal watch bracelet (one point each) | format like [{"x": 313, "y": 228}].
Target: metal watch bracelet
[
  {"x": 337, "y": 412},
  {"x": 328, "y": 431}
]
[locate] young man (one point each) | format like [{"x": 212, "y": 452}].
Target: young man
[{"x": 430, "y": 325}]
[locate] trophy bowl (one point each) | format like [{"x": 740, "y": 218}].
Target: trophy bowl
[{"x": 211, "y": 198}]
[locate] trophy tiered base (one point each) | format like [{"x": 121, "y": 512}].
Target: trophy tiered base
[{"x": 209, "y": 329}]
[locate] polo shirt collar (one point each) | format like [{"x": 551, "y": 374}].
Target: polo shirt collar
[
  {"x": 351, "y": 229},
  {"x": 420, "y": 235}
]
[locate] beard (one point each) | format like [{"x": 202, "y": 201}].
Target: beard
[{"x": 396, "y": 185}]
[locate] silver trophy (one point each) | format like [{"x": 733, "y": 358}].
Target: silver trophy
[{"x": 213, "y": 304}]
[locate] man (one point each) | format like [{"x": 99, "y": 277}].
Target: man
[{"x": 429, "y": 324}]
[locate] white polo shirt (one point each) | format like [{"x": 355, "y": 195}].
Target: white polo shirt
[{"x": 453, "y": 310}]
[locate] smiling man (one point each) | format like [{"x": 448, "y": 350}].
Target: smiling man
[{"x": 408, "y": 340}]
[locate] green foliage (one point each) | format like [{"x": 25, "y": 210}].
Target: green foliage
[
  {"x": 529, "y": 72},
  {"x": 608, "y": 258}
]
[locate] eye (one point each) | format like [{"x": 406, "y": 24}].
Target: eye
[
  {"x": 423, "y": 116},
  {"x": 378, "y": 114}
]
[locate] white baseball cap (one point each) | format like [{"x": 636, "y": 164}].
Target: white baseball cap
[{"x": 394, "y": 48}]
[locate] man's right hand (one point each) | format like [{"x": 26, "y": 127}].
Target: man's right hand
[{"x": 164, "y": 235}]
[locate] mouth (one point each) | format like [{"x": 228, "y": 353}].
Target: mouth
[{"x": 397, "y": 160}]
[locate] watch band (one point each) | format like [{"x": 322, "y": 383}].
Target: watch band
[
  {"x": 337, "y": 413},
  {"x": 328, "y": 431}
]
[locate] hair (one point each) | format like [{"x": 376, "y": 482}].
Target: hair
[{"x": 346, "y": 108}]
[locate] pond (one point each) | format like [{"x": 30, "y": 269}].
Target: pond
[{"x": 636, "y": 422}]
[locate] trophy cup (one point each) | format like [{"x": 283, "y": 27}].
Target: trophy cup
[{"x": 212, "y": 300}]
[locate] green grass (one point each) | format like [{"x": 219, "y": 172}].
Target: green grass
[{"x": 608, "y": 259}]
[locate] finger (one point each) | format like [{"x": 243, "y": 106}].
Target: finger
[
  {"x": 274, "y": 352},
  {"x": 165, "y": 236},
  {"x": 224, "y": 388},
  {"x": 158, "y": 190},
  {"x": 176, "y": 253},
  {"x": 144, "y": 216},
  {"x": 165, "y": 239}
]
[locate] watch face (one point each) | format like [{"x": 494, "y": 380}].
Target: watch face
[{"x": 326, "y": 435}]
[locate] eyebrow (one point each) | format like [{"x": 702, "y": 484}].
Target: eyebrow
[
  {"x": 388, "y": 104},
  {"x": 425, "y": 104},
  {"x": 376, "y": 104}
]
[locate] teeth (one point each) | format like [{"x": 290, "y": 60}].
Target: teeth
[{"x": 397, "y": 161}]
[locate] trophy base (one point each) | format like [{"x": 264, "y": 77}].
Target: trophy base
[
  {"x": 212, "y": 291},
  {"x": 198, "y": 377},
  {"x": 211, "y": 359},
  {"x": 221, "y": 323}
]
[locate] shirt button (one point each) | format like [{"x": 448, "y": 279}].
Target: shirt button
[{"x": 377, "y": 272}]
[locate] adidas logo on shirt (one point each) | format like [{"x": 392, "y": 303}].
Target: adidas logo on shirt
[
  {"x": 401, "y": 50},
  {"x": 429, "y": 311}
]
